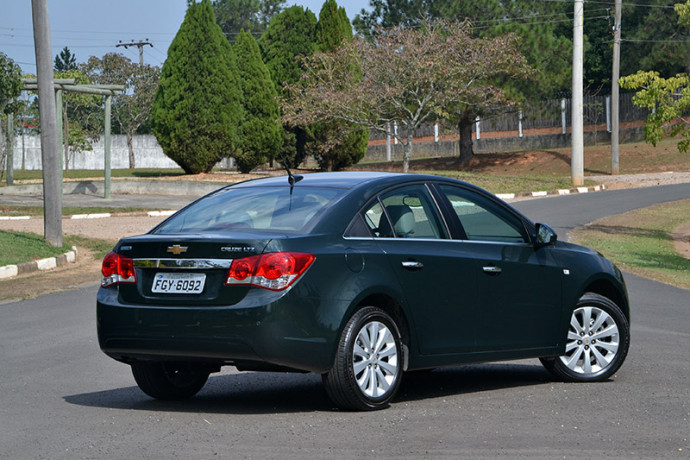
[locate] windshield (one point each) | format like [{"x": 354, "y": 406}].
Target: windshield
[{"x": 253, "y": 208}]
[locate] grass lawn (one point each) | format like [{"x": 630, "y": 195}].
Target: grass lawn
[
  {"x": 510, "y": 184},
  {"x": 19, "y": 247},
  {"x": 640, "y": 241},
  {"x": 16, "y": 248},
  {"x": 28, "y": 175}
]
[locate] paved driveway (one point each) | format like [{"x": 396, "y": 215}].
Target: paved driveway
[{"x": 60, "y": 397}]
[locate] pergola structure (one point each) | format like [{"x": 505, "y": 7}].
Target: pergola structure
[{"x": 70, "y": 85}]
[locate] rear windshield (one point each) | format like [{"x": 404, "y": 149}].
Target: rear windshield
[{"x": 254, "y": 208}]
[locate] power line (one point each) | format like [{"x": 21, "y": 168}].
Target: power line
[
  {"x": 653, "y": 41},
  {"x": 611, "y": 3}
]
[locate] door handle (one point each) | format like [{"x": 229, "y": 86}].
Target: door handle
[
  {"x": 412, "y": 265},
  {"x": 492, "y": 269}
]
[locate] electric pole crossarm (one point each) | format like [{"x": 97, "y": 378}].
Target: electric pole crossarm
[{"x": 139, "y": 44}]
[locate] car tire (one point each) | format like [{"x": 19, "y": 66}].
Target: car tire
[
  {"x": 169, "y": 380},
  {"x": 597, "y": 342},
  {"x": 368, "y": 365}
]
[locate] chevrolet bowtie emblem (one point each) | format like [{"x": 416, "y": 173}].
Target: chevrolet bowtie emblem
[{"x": 177, "y": 249}]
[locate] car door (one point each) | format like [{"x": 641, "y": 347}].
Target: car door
[
  {"x": 435, "y": 273},
  {"x": 518, "y": 285}
]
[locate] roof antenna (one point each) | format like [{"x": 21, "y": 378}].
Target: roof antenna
[{"x": 292, "y": 180}]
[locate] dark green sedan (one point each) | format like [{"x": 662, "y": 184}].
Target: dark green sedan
[{"x": 359, "y": 277}]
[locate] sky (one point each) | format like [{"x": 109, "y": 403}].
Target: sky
[{"x": 95, "y": 27}]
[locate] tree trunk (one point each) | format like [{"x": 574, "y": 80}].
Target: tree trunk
[
  {"x": 407, "y": 153},
  {"x": 465, "y": 141},
  {"x": 130, "y": 147}
]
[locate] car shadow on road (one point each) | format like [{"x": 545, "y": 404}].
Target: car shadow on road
[{"x": 271, "y": 393}]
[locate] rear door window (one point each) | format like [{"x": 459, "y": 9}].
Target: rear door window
[{"x": 406, "y": 212}]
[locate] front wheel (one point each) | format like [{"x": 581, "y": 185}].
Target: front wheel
[
  {"x": 169, "y": 380},
  {"x": 368, "y": 366},
  {"x": 597, "y": 342}
]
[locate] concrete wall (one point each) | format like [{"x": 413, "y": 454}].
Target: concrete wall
[{"x": 147, "y": 153}]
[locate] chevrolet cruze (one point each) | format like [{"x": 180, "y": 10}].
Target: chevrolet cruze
[{"x": 358, "y": 277}]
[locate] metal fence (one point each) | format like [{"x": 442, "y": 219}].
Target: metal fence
[{"x": 553, "y": 113}]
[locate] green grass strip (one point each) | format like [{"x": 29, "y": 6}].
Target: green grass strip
[
  {"x": 20, "y": 247},
  {"x": 641, "y": 241},
  {"x": 16, "y": 248}
]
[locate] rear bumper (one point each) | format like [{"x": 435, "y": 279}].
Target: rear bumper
[{"x": 280, "y": 329}]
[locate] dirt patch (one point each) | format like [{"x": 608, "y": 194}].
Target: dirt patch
[{"x": 111, "y": 228}]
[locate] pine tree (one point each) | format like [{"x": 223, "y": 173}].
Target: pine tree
[
  {"x": 260, "y": 132},
  {"x": 288, "y": 38},
  {"x": 65, "y": 61},
  {"x": 198, "y": 104},
  {"x": 336, "y": 144}
]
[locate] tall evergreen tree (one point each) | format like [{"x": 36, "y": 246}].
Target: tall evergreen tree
[
  {"x": 655, "y": 39},
  {"x": 234, "y": 16},
  {"x": 65, "y": 61},
  {"x": 335, "y": 144},
  {"x": 260, "y": 132},
  {"x": 198, "y": 104},
  {"x": 289, "y": 37}
]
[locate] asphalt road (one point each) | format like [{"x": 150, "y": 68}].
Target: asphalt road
[{"x": 60, "y": 397}]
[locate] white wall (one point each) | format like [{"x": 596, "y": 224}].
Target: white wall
[{"x": 147, "y": 154}]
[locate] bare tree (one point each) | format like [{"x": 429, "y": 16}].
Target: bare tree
[
  {"x": 132, "y": 108},
  {"x": 408, "y": 77}
]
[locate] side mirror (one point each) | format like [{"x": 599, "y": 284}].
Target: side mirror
[{"x": 545, "y": 235}]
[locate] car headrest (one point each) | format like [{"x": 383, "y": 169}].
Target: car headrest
[{"x": 403, "y": 221}]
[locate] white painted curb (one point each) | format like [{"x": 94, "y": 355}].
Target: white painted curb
[
  {"x": 91, "y": 216},
  {"x": 10, "y": 271}
]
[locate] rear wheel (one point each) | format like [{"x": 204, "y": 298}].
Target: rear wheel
[
  {"x": 169, "y": 380},
  {"x": 368, "y": 365},
  {"x": 597, "y": 342}
]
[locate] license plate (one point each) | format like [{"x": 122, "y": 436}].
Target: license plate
[{"x": 178, "y": 283}]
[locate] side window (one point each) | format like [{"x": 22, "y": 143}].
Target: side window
[
  {"x": 482, "y": 219},
  {"x": 407, "y": 212}
]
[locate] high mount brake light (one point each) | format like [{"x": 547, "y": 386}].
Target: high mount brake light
[
  {"x": 274, "y": 271},
  {"x": 117, "y": 269}
]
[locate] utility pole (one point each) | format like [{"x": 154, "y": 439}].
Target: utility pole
[
  {"x": 140, "y": 45},
  {"x": 52, "y": 185},
  {"x": 577, "y": 122},
  {"x": 615, "y": 98}
]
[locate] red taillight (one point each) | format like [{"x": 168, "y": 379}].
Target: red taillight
[
  {"x": 275, "y": 271},
  {"x": 117, "y": 269}
]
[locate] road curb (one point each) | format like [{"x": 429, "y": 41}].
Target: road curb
[
  {"x": 104, "y": 215},
  {"x": 567, "y": 191},
  {"x": 10, "y": 271}
]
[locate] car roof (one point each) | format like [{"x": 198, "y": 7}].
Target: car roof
[{"x": 343, "y": 179}]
